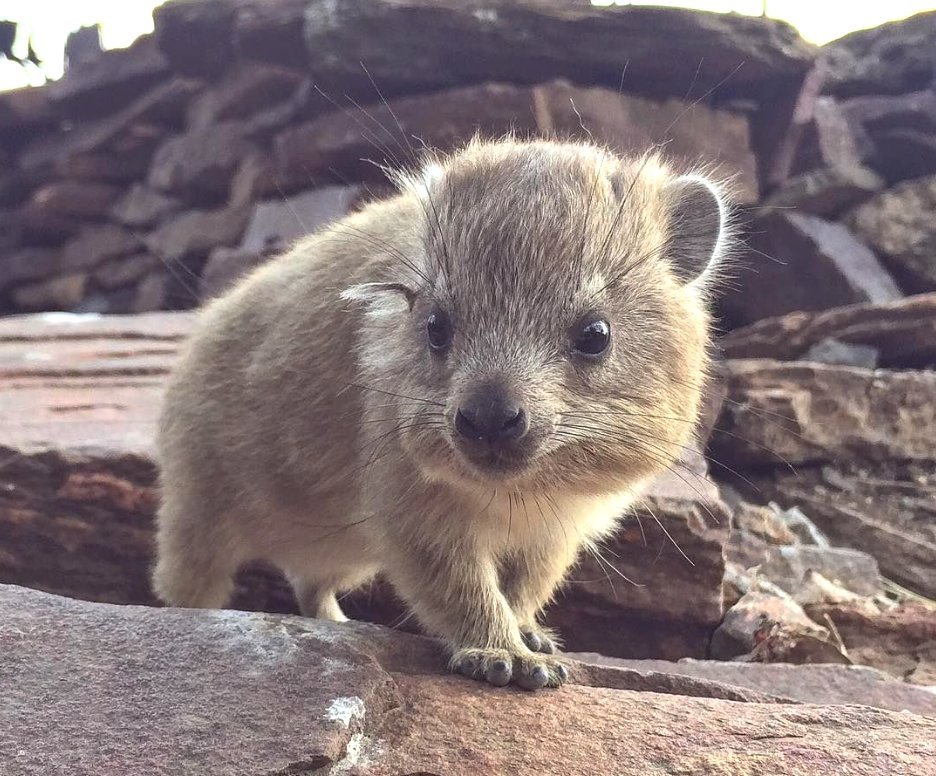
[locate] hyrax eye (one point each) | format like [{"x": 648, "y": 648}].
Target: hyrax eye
[
  {"x": 591, "y": 338},
  {"x": 439, "y": 330}
]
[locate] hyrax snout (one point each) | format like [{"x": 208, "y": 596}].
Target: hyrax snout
[{"x": 458, "y": 388}]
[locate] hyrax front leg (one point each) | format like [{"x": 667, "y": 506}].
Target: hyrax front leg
[
  {"x": 456, "y": 595},
  {"x": 529, "y": 579}
]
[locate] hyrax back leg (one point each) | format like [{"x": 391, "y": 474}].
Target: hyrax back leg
[
  {"x": 195, "y": 567},
  {"x": 316, "y": 600},
  {"x": 316, "y": 587}
]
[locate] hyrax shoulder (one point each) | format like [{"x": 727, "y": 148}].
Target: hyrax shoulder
[{"x": 457, "y": 388}]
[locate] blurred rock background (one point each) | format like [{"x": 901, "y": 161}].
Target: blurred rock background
[{"x": 801, "y": 527}]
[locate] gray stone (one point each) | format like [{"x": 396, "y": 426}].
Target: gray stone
[
  {"x": 788, "y": 568},
  {"x": 826, "y": 191},
  {"x": 24, "y": 109},
  {"x": 59, "y": 293},
  {"x": 116, "y": 78},
  {"x": 899, "y": 225},
  {"x": 131, "y": 132},
  {"x": 277, "y": 223},
  {"x": 802, "y": 262},
  {"x": 81, "y": 199},
  {"x": 97, "y": 244},
  {"x": 246, "y": 89},
  {"x": 534, "y": 42},
  {"x": 903, "y": 333},
  {"x": 200, "y": 164},
  {"x": 142, "y": 207},
  {"x": 889, "y": 59},
  {"x": 832, "y": 351},
  {"x": 28, "y": 264},
  {"x": 195, "y": 233},
  {"x": 123, "y": 270},
  {"x": 883, "y": 508}
]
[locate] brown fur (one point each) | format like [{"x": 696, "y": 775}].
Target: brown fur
[{"x": 314, "y": 430}]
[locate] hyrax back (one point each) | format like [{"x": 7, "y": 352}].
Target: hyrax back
[{"x": 457, "y": 388}]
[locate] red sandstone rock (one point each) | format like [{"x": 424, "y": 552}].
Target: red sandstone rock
[
  {"x": 818, "y": 684},
  {"x": 245, "y": 694},
  {"x": 901, "y": 641},
  {"x": 808, "y": 414}
]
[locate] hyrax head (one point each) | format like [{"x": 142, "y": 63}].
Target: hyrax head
[{"x": 543, "y": 321}]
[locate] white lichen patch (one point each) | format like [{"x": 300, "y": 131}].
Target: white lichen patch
[
  {"x": 486, "y": 15},
  {"x": 360, "y": 752},
  {"x": 268, "y": 641},
  {"x": 344, "y": 711},
  {"x": 68, "y": 318}
]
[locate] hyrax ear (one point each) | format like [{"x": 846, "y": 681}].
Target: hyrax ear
[
  {"x": 698, "y": 226},
  {"x": 380, "y": 297}
]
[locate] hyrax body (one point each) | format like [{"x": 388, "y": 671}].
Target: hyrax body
[{"x": 457, "y": 388}]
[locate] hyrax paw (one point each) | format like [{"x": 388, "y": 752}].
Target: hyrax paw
[
  {"x": 500, "y": 667},
  {"x": 540, "y": 639}
]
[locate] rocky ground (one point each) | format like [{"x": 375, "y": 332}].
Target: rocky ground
[{"x": 788, "y": 563}]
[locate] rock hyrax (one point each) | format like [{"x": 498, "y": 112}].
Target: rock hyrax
[{"x": 458, "y": 388}]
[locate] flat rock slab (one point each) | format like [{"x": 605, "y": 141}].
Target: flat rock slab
[
  {"x": 820, "y": 684},
  {"x": 791, "y": 414},
  {"x": 346, "y": 143},
  {"x": 97, "y": 689},
  {"x": 903, "y": 332},
  {"x": 79, "y": 402},
  {"x": 85, "y": 381},
  {"x": 406, "y": 45}
]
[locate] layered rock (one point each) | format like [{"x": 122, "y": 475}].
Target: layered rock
[
  {"x": 901, "y": 333},
  {"x": 852, "y": 447},
  {"x": 241, "y": 693}
]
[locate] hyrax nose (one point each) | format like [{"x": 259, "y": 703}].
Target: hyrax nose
[{"x": 491, "y": 416}]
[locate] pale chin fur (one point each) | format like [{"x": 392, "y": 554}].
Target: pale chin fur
[{"x": 456, "y": 469}]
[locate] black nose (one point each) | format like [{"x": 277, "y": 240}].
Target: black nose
[{"x": 491, "y": 416}]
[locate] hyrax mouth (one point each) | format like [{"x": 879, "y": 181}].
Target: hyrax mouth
[
  {"x": 498, "y": 463},
  {"x": 492, "y": 431}
]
